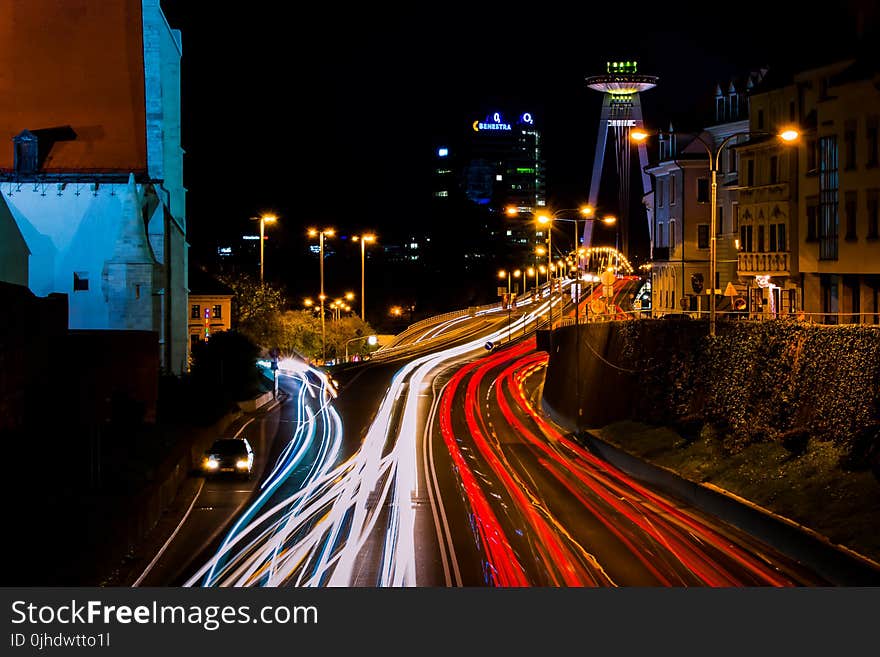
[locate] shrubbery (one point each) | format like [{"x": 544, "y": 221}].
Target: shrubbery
[{"x": 780, "y": 381}]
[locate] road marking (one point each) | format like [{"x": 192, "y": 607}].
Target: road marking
[{"x": 170, "y": 538}]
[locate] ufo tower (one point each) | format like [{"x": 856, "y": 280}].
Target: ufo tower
[{"x": 621, "y": 112}]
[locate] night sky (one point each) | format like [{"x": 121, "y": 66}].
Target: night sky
[{"x": 329, "y": 117}]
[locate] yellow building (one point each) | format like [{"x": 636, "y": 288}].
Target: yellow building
[
  {"x": 210, "y": 303},
  {"x": 838, "y": 190}
]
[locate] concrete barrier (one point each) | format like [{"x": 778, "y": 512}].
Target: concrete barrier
[{"x": 250, "y": 405}]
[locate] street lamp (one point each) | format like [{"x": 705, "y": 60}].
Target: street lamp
[
  {"x": 364, "y": 240},
  {"x": 787, "y": 135},
  {"x": 263, "y": 219},
  {"x": 372, "y": 340},
  {"x": 320, "y": 234}
]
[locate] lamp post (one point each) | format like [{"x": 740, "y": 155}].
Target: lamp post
[
  {"x": 714, "y": 153},
  {"x": 263, "y": 219},
  {"x": 364, "y": 239},
  {"x": 320, "y": 234},
  {"x": 371, "y": 340}
]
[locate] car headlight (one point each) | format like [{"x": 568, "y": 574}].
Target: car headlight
[
  {"x": 211, "y": 463},
  {"x": 242, "y": 464}
]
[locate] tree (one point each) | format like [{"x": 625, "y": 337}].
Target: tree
[{"x": 255, "y": 308}]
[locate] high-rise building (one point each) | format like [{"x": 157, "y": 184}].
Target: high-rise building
[{"x": 493, "y": 163}]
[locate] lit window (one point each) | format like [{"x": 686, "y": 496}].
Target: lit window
[
  {"x": 196, "y": 312},
  {"x": 509, "y": 233},
  {"x": 441, "y": 194},
  {"x": 218, "y": 312},
  {"x": 498, "y": 176},
  {"x": 442, "y": 152}
]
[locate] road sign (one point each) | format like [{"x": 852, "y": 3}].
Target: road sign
[
  {"x": 597, "y": 306},
  {"x": 489, "y": 345},
  {"x": 607, "y": 278},
  {"x": 730, "y": 291}
]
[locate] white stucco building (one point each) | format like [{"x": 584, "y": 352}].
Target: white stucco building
[{"x": 92, "y": 202}]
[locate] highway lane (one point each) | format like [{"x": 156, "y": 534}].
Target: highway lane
[{"x": 541, "y": 510}]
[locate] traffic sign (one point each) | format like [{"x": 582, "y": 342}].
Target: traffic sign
[
  {"x": 730, "y": 291},
  {"x": 489, "y": 345}
]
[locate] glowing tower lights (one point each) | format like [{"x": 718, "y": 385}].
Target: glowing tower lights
[{"x": 621, "y": 112}]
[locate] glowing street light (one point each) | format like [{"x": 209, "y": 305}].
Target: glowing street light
[
  {"x": 320, "y": 234},
  {"x": 365, "y": 239},
  {"x": 263, "y": 219}
]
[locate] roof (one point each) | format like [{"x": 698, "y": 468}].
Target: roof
[
  {"x": 76, "y": 72},
  {"x": 201, "y": 283}
]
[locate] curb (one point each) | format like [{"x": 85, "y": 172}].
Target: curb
[{"x": 839, "y": 564}]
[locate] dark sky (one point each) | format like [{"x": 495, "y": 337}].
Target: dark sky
[{"x": 328, "y": 116}]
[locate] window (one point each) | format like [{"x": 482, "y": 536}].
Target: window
[
  {"x": 731, "y": 161},
  {"x": 734, "y": 211},
  {"x": 719, "y": 220},
  {"x": 745, "y": 237},
  {"x": 811, "y": 156},
  {"x": 761, "y": 238},
  {"x": 671, "y": 234},
  {"x": 671, "y": 190},
  {"x": 782, "y": 244},
  {"x": 873, "y": 195},
  {"x": 661, "y": 235},
  {"x": 871, "y": 131},
  {"x": 750, "y": 173},
  {"x": 812, "y": 219},
  {"x": 760, "y": 119},
  {"x": 850, "y": 205},
  {"x": 702, "y": 190},
  {"x": 772, "y": 238},
  {"x": 441, "y": 194},
  {"x": 702, "y": 236},
  {"x": 218, "y": 312},
  {"x": 774, "y": 169},
  {"x": 828, "y": 216},
  {"x": 80, "y": 281},
  {"x": 849, "y": 144},
  {"x": 661, "y": 183},
  {"x": 196, "y": 312}
]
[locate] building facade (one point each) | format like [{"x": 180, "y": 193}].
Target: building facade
[
  {"x": 93, "y": 203},
  {"x": 210, "y": 307},
  {"x": 838, "y": 187}
]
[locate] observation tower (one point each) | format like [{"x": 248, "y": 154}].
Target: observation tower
[{"x": 621, "y": 112}]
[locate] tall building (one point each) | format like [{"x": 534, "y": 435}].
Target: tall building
[
  {"x": 494, "y": 162},
  {"x": 621, "y": 111},
  {"x": 92, "y": 202}
]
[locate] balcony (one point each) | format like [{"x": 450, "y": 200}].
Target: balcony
[
  {"x": 764, "y": 194},
  {"x": 773, "y": 263}
]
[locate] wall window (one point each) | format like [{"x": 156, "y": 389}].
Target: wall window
[
  {"x": 719, "y": 220},
  {"x": 195, "y": 312},
  {"x": 671, "y": 189},
  {"x": 791, "y": 111},
  {"x": 812, "y": 218},
  {"x": 702, "y": 236},
  {"x": 760, "y": 119},
  {"x": 774, "y": 169},
  {"x": 702, "y": 190},
  {"x": 731, "y": 161},
  {"x": 671, "y": 234},
  {"x": 218, "y": 312},
  {"x": 80, "y": 281},
  {"x": 750, "y": 173},
  {"x": 745, "y": 237},
  {"x": 873, "y": 202},
  {"x": 773, "y": 238},
  {"x": 781, "y": 240},
  {"x": 812, "y": 151},
  {"x": 661, "y": 183},
  {"x": 761, "y": 239},
  {"x": 871, "y": 132},
  {"x": 849, "y": 144},
  {"x": 828, "y": 216},
  {"x": 734, "y": 211},
  {"x": 850, "y": 205},
  {"x": 661, "y": 235}
]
